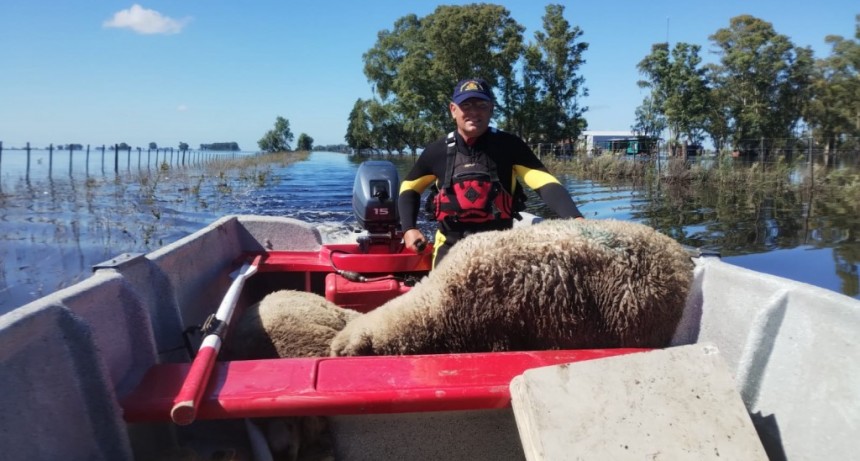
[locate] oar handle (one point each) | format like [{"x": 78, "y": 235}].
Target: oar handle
[{"x": 187, "y": 400}]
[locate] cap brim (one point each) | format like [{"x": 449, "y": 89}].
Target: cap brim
[{"x": 462, "y": 97}]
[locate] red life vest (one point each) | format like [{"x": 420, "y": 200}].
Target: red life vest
[{"x": 472, "y": 198}]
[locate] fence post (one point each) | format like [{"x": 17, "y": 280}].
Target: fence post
[
  {"x": 138, "y": 158},
  {"x": 128, "y": 160},
  {"x": 70, "y": 159},
  {"x": 1, "y": 156},
  {"x": 50, "y": 159},
  {"x": 28, "y": 160},
  {"x": 116, "y": 159},
  {"x": 87, "y": 169},
  {"x": 103, "y": 159}
]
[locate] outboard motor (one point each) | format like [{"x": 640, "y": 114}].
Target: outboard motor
[{"x": 374, "y": 202}]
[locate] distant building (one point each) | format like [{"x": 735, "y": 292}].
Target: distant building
[{"x": 596, "y": 142}]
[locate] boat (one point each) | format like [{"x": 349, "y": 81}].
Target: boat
[{"x": 122, "y": 364}]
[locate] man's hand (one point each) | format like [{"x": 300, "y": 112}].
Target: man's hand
[{"x": 414, "y": 240}]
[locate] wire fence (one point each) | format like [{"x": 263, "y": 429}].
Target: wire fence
[{"x": 116, "y": 159}]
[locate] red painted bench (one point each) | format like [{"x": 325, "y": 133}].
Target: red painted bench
[{"x": 347, "y": 385}]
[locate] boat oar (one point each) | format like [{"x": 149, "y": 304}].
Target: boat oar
[{"x": 185, "y": 404}]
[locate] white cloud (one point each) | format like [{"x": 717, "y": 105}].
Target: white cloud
[
  {"x": 144, "y": 21},
  {"x": 182, "y": 108}
]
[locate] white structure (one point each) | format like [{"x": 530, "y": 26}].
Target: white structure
[{"x": 591, "y": 138}]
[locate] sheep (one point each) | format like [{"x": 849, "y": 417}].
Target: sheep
[
  {"x": 290, "y": 324},
  {"x": 287, "y": 324},
  {"x": 560, "y": 284}
]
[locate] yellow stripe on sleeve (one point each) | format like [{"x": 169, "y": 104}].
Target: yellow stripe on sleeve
[
  {"x": 418, "y": 185},
  {"x": 535, "y": 179}
]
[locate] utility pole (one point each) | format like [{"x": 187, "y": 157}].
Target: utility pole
[{"x": 667, "y": 30}]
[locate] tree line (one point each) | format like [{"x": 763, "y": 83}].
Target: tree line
[
  {"x": 762, "y": 90},
  {"x": 763, "y": 93}
]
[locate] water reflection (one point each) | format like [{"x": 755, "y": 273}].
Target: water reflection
[{"x": 738, "y": 223}]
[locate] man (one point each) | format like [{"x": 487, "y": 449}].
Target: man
[{"x": 475, "y": 169}]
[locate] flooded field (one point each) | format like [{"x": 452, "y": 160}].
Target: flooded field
[{"x": 54, "y": 228}]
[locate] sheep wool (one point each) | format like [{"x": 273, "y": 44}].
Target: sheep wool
[
  {"x": 560, "y": 284},
  {"x": 287, "y": 323}
]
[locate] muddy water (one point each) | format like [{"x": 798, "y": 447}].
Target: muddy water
[{"x": 54, "y": 228}]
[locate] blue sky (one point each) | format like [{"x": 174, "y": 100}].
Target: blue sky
[{"x": 104, "y": 72}]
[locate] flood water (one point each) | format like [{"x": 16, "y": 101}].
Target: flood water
[{"x": 53, "y": 228}]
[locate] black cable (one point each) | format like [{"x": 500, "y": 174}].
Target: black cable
[{"x": 353, "y": 276}]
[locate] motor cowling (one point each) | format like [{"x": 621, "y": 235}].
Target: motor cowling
[{"x": 374, "y": 197}]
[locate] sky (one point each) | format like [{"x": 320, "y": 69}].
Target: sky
[{"x": 203, "y": 71}]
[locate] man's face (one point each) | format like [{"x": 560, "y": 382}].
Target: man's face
[{"x": 472, "y": 116}]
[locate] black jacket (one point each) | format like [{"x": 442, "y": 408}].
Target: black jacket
[{"x": 512, "y": 157}]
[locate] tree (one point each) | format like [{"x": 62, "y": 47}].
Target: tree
[
  {"x": 358, "y": 135},
  {"x": 650, "y": 121},
  {"x": 718, "y": 117},
  {"x": 278, "y": 138},
  {"x": 183, "y": 146},
  {"x": 764, "y": 81},
  {"x": 521, "y": 109},
  {"x": 387, "y": 127},
  {"x": 413, "y": 66},
  {"x": 305, "y": 142},
  {"x": 679, "y": 90},
  {"x": 558, "y": 70},
  {"x": 234, "y": 146},
  {"x": 833, "y": 113},
  {"x": 418, "y": 61},
  {"x": 153, "y": 145}
]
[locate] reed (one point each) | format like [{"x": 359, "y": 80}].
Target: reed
[{"x": 722, "y": 171}]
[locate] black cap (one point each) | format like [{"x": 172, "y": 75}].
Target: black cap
[{"x": 472, "y": 88}]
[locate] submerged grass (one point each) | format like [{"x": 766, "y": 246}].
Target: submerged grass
[
  {"x": 136, "y": 203},
  {"x": 744, "y": 206},
  {"x": 722, "y": 174}
]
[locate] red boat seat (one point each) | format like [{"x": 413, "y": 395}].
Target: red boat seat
[{"x": 347, "y": 385}]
